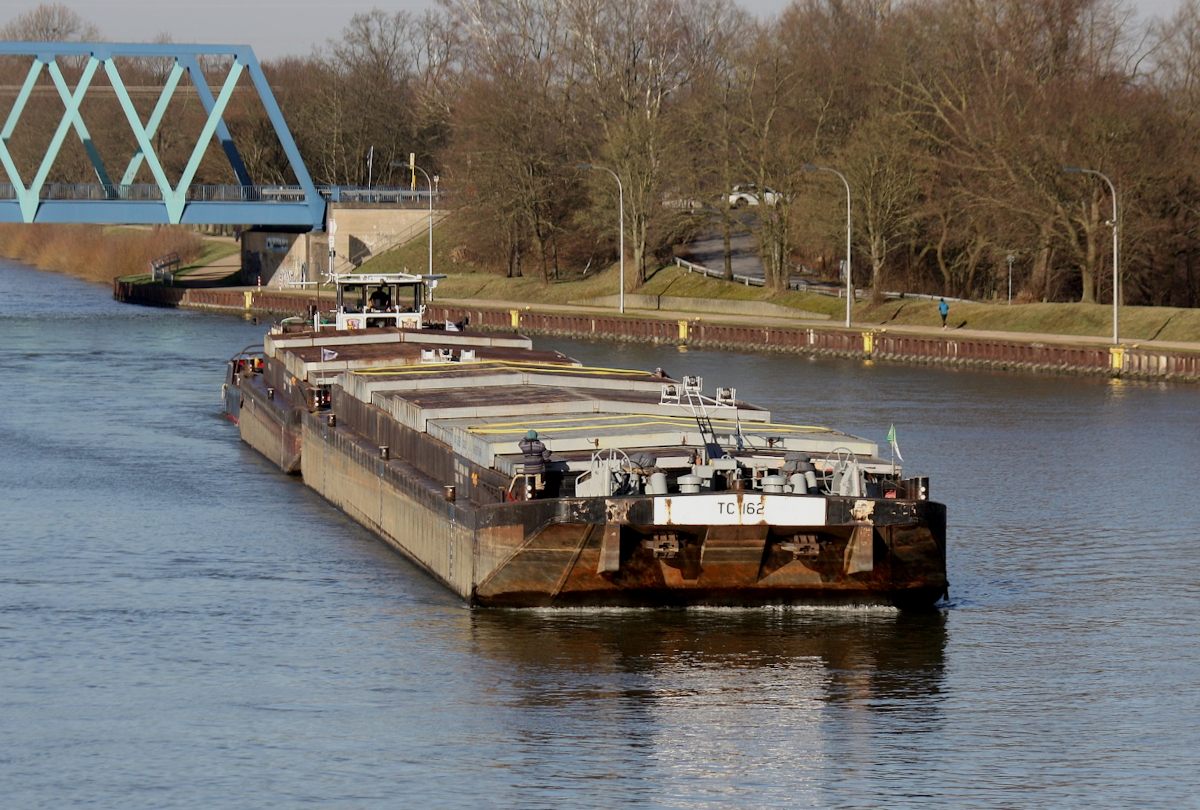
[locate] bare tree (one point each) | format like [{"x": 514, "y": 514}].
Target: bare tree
[
  {"x": 772, "y": 132},
  {"x": 1006, "y": 98},
  {"x": 890, "y": 171},
  {"x": 50, "y": 22},
  {"x": 514, "y": 134},
  {"x": 710, "y": 130},
  {"x": 634, "y": 57}
]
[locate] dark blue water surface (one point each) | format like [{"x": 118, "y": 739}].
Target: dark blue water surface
[{"x": 183, "y": 627}]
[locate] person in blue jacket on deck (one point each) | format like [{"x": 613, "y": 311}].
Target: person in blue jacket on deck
[{"x": 943, "y": 308}]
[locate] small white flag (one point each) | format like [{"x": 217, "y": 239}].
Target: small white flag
[
  {"x": 328, "y": 354},
  {"x": 451, "y": 326},
  {"x": 891, "y": 437}
]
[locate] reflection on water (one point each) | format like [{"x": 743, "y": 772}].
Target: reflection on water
[
  {"x": 876, "y": 657},
  {"x": 712, "y": 698},
  {"x": 181, "y": 626}
]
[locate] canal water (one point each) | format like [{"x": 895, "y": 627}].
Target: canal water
[{"x": 183, "y": 627}]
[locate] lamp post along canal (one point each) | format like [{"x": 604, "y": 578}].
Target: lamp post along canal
[
  {"x": 621, "y": 221},
  {"x": 429, "y": 185},
  {"x": 370, "y": 169},
  {"x": 1010, "y": 261},
  {"x": 849, "y": 278},
  {"x": 412, "y": 166},
  {"x": 1116, "y": 275}
]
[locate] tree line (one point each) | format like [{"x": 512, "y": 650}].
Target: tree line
[{"x": 951, "y": 121}]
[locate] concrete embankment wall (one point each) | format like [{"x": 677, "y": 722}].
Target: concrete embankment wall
[{"x": 1137, "y": 362}]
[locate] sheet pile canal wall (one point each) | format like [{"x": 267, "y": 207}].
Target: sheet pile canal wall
[{"x": 1127, "y": 361}]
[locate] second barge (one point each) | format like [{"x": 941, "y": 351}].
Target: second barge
[{"x": 649, "y": 492}]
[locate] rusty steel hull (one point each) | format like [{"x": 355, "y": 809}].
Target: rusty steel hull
[{"x": 898, "y": 559}]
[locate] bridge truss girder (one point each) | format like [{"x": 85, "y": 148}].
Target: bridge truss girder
[{"x": 168, "y": 203}]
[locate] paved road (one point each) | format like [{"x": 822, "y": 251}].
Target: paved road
[
  {"x": 708, "y": 249},
  {"x": 221, "y": 268}
]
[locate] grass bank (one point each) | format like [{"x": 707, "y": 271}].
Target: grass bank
[
  {"x": 1095, "y": 320},
  {"x": 211, "y": 250},
  {"x": 94, "y": 252}
]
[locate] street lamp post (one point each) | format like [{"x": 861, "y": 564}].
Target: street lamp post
[
  {"x": 1010, "y": 261},
  {"x": 370, "y": 169},
  {"x": 621, "y": 219},
  {"x": 849, "y": 281},
  {"x": 1116, "y": 275},
  {"x": 429, "y": 184}
]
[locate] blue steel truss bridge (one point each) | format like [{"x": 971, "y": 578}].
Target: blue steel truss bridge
[{"x": 140, "y": 185}]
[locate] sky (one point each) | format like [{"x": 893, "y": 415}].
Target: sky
[{"x": 277, "y": 28}]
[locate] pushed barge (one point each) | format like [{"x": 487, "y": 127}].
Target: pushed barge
[{"x": 654, "y": 494}]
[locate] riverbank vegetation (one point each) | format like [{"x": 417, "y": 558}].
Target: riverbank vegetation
[
  {"x": 951, "y": 122},
  {"x": 98, "y": 253}
]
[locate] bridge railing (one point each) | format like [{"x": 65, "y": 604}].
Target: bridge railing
[
  {"x": 150, "y": 192},
  {"x": 396, "y": 195}
]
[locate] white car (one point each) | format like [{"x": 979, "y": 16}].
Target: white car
[{"x": 751, "y": 194}]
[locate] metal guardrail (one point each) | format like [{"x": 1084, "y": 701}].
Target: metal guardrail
[
  {"x": 755, "y": 281},
  {"x": 163, "y": 268},
  {"x": 382, "y": 194},
  {"x": 692, "y": 267},
  {"x": 149, "y": 192}
]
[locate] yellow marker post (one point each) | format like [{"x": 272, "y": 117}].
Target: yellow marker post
[
  {"x": 683, "y": 330},
  {"x": 1118, "y": 357},
  {"x": 516, "y": 318},
  {"x": 249, "y": 299},
  {"x": 868, "y": 342}
]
